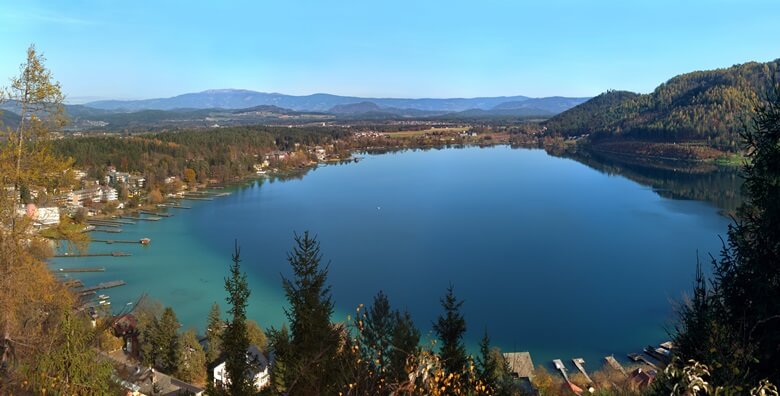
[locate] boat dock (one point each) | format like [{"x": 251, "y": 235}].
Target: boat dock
[
  {"x": 637, "y": 357},
  {"x": 191, "y": 198},
  {"x": 110, "y": 221},
  {"x": 138, "y": 218},
  {"x": 580, "y": 364},
  {"x": 101, "y": 286},
  {"x": 612, "y": 362},
  {"x": 107, "y": 230},
  {"x": 98, "y": 223},
  {"x": 111, "y": 241},
  {"x": 560, "y": 367},
  {"x": 149, "y": 212},
  {"x": 82, "y": 269},
  {"x": 110, "y": 254},
  {"x": 659, "y": 354},
  {"x": 174, "y": 206}
]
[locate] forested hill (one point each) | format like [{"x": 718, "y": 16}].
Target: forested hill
[{"x": 703, "y": 106}]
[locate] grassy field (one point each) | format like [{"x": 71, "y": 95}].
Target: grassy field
[{"x": 407, "y": 134}]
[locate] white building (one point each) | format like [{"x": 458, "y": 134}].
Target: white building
[
  {"x": 109, "y": 194},
  {"x": 42, "y": 217},
  {"x": 260, "y": 372}
]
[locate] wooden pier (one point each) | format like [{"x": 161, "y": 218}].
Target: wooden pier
[
  {"x": 104, "y": 224},
  {"x": 109, "y": 254},
  {"x": 637, "y": 357},
  {"x": 138, "y": 218},
  {"x": 580, "y": 364},
  {"x": 112, "y": 241},
  {"x": 119, "y": 221},
  {"x": 189, "y": 198},
  {"x": 174, "y": 206},
  {"x": 108, "y": 230},
  {"x": 612, "y": 362},
  {"x": 660, "y": 356},
  {"x": 82, "y": 269},
  {"x": 560, "y": 367},
  {"x": 101, "y": 286},
  {"x": 149, "y": 212}
]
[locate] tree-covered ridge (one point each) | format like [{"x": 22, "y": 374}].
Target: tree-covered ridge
[
  {"x": 214, "y": 153},
  {"x": 708, "y": 106}
]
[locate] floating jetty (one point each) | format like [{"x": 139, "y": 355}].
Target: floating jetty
[
  {"x": 580, "y": 364},
  {"x": 174, "y": 206},
  {"x": 105, "y": 224},
  {"x": 101, "y": 286},
  {"x": 108, "y": 230},
  {"x": 560, "y": 367},
  {"x": 119, "y": 221},
  {"x": 82, "y": 269},
  {"x": 149, "y": 212},
  {"x": 659, "y": 354},
  {"x": 109, "y": 254},
  {"x": 637, "y": 357},
  {"x": 138, "y": 218},
  {"x": 190, "y": 198},
  {"x": 142, "y": 241},
  {"x": 612, "y": 362}
]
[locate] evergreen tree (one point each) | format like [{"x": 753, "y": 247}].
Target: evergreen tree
[
  {"x": 168, "y": 339},
  {"x": 309, "y": 355},
  {"x": 449, "y": 329},
  {"x": 235, "y": 340},
  {"x": 192, "y": 367},
  {"x": 377, "y": 332},
  {"x": 748, "y": 277},
  {"x": 405, "y": 343},
  {"x": 214, "y": 328},
  {"x": 487, "y": 366},
  {"x": 733, "y": 327}
]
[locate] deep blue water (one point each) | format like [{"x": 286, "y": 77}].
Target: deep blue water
[{"x": 550, "y": 256}]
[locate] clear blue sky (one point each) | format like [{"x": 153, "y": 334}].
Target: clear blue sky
[{"x": 393, "y": 48}]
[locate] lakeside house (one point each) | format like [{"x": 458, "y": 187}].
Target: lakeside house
[
  {"x": 41, "y": 216},
  {"x": 144, "y": 381},
  {"x": 260, "y": 372},
  {"x": 94, "y": 194}
]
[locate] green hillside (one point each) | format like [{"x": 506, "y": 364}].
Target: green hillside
[{"x": 706, "y": 107}]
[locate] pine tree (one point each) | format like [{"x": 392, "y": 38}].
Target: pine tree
[
  {"x": 449, "y": 329},
  {"x": 192, "y": 365},
  {"x": 168, "y": 339},
  {"x": 487, "y": 366},
  {"x": 214, "y": 328},
  {"x": 405, "y": 343},
  {"x": 309, "y": 354},
  {"x": 235, "y": 340},
  {"x": 377, "y": 333},
  {"x": 733, "y": 327}
]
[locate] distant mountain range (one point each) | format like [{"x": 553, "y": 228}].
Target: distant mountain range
[
  {"x": 239, "y": 98},
  {"x": 242, "y": 107}
]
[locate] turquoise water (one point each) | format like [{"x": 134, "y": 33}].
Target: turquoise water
[{"x": 550, "y": 256}]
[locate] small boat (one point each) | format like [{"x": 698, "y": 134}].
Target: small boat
[
  {"x": 104, "y": 302},
  {"x": 103, "y": 297},
  {"x": 145, "y": 241}
]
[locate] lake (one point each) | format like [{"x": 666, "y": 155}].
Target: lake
[{"x": 551, "y": 256}]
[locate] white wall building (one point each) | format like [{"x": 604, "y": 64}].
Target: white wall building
[{"x": 260, "y": 372}]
